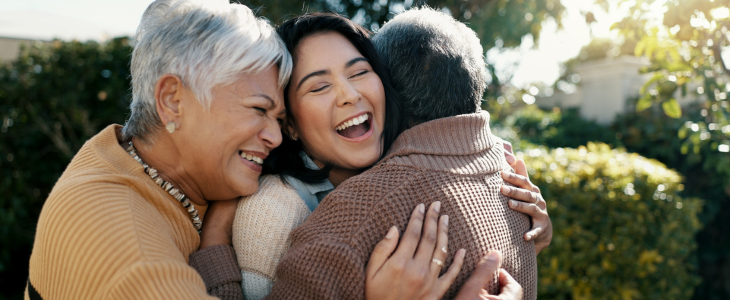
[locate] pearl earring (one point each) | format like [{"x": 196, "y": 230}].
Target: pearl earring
[{"x": 170, "y": 127}]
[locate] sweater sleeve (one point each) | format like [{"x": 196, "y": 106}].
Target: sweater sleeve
[
  {"x": 219, "y": 269},
  {"x": 158, "y": 280},
  {"x": 320, "y": 269}
]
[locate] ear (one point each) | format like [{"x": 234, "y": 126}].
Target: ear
[
  {"x": 289, "y": 129},
  {"x": 169, "y": 91}
]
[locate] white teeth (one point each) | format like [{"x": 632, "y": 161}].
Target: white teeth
[
  {"x": 355, "y": 121},
  {"x": 252, "y": 158}
]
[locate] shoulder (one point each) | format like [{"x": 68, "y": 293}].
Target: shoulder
[
  {"x": 272, "y": 193},
  {"x": 371, "y": 187},
  {"x": 96, "y": 228},
  {"x": 359, "y": 205}
]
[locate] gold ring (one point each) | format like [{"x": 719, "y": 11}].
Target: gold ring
[{"x": 438, "y": 262}]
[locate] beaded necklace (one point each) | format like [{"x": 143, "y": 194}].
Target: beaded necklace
[{"x": 177, "y": 194}]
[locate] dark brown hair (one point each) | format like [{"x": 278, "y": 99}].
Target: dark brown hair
[{"x": 286, "y": 159}]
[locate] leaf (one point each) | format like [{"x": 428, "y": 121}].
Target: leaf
[
  {"x": 639, "y": 49},
  {"x": 672, "y": 108},
  {"x": 644, "y": 103},
  {"x": 678, "y": 67},
  {"x": 682, "y": 133},
  {"x": 651, "y": 81}
]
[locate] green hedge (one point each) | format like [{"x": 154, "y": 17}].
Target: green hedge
[
  {"x": 52, "y": 99},
  {"x": 620, "y": 229}
]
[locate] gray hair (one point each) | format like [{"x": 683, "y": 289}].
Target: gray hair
[
  {"x": 436, "y": 64},
  {"x": 206, "y": 43}
]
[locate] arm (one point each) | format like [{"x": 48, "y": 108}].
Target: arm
[
  {"x": 216, "y": 260},
  {"x": 261, "y": 231}
]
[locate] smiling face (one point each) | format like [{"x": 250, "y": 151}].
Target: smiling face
[
  {"x": 337, "y": 103},
  {"x": 228, "y": 142}
]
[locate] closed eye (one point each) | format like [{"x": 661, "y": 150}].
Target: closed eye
[
  {"x": 360, "y": 74},
  {"x": 319, "y": 89},
  {"x": 261, "y": 110}
]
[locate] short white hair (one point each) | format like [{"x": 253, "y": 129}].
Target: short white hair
[{"x": 206, "y": 43}]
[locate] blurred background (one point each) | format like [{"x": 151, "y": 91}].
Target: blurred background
[{"x": 619, "y": 108}]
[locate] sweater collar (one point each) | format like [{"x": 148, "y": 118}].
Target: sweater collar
[{"x": 452, "y": 136}]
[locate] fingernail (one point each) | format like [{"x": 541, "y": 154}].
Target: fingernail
[
  {"x": 445, "y": 220},
  {"x": 492, "y": 256},
  {"x": 506, "y": 189},
  {"x": 510, "y": 159},
  {"x": 421, "y": 208},
  {"x": 444, "y": 249},
  {"x": 391, "y": 232},
  {"x": 512, "y": 203},
  {"x": 437, "y": 206},
  {"x": 529, "y": 237}
]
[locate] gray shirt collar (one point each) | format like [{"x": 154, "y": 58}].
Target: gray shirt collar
[{"x": 311, "y": 193}]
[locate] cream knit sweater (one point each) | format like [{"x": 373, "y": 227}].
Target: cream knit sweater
[{"x": 261, "y": 232}]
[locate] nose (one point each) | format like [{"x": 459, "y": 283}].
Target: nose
[
  {"x": 348, "y": 94},
  {"x": 271, "y": 135}
]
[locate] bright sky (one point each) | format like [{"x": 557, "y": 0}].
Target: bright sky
[{"x": 99, "y": 19}]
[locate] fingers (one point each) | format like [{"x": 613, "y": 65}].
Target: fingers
[
  {"x": 521, "y": 169},
  {"x": 382, "y": 251},
  {"x": 507, "y": 146},
  {"x": 534, "y": 233},
  {"x": 539, "y": 217},
  {"x": 518, "y": 180},
  {"x": 441, "y": 245},
  {"x": 448, "y": 278},
  {"x": 521, "y": 194},
  {"x": 482, "y": 275},
  {"x": 511, "y": 159},
  {"x": 510, "y": 289},
  {"x": 430, "y": 233},
  {"x": 412, "y": 235}
]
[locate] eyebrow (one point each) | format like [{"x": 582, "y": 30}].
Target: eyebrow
[
  {"x": 325, "y": 72},
  {"x": 272, "y": 104}
]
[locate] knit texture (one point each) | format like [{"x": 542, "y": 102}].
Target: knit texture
[
  {"x": 107, "y": 231},
  {"x": 454, "y": 160},
  {"x": 261, "y": 231},
  {"x": 217, "y": 265}
]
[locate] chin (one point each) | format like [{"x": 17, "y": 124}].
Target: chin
[
  {"x": 246, "y": 186},
  {"x": 367, "y": 162}
]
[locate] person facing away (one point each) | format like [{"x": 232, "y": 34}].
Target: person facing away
[{"x": 448, "y": 155}]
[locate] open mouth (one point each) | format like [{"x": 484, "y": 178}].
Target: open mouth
[
  {"x": 355, "y": 127},
  {"x": 255, "y": 159}
]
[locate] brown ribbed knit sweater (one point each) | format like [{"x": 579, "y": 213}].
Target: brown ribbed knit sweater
[
  {"x": 107, "y": 231},
  {"x": 454, "y": 160}
]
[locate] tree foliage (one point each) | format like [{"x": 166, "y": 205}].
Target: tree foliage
[
  {"x": 52, "y": 99},
  {"x": 501, "y": 23},
  {"x": 685, "y": 51}
]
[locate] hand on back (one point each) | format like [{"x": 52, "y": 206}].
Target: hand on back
[{"x": 412, "y": 271}]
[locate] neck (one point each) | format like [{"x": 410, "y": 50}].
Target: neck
[
  {"x": 338, "y": 175},
  {"x": 163, "y": 156}
]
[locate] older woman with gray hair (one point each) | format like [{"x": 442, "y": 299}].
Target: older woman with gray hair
[{"x": 125, "y": 220}]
